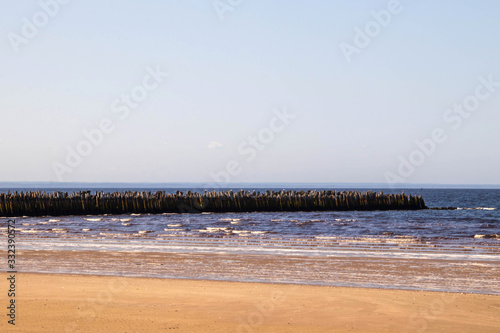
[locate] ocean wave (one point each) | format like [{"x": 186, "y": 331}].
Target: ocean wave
[
  {"x": 86, "y": 229},
  {"x": 476, "y": 208},
  {"x": 398, "y": 239},
  {"x": 126, "y": 224},
  {"x": 240, "y": 231},
  {"x": 230, "y": 220},
  {"x": 145, "y": 231},
  {"x": 215, "y": 229},
  {"x": 486, "y": 236},
  {"x": 175, "y": 236},
  {"x": 125, "y": 220},
  {"x": 54, "y": 220},
  {"x": 174, "y": 225},
  {"x": 94, "y": 219},
  {"x": 30, "y": 231}
]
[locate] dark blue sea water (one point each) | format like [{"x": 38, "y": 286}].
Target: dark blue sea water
[{"x": 478, "y": 214}]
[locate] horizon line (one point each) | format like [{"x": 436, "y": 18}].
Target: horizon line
[{"x": 230, "y": 184}]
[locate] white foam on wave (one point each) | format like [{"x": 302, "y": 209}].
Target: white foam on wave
[
  {"x": 232, "y": 220},
  {"x": 54, "y": 220},
  {"x": 126, "y": 224},
  {"x": 174, "y": 225},
  {"x": 476, "y": 208},
  {"x": 133, "y": 214},
  {"x": 166, "y": 235},
  {"x": 345, "y": 220},
  {"x": 30, "y": 231},
  {"x": 125, "y": 220},
  {"x": 28, "y": 224},
  {"x": 214, "y": 229},
  {"x": 111, "y": 234},
  {"x": 86, "y": 229},
  {"x": 95, "y": 219},
  {"x": 486, "y": 236},
  {"x": 145, "y": 231}
]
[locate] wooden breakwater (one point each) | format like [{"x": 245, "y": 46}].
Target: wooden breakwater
[{"x": 87, "y": 203}]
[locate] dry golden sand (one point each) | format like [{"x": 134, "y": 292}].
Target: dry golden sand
[{"x": 77, "y": 303}]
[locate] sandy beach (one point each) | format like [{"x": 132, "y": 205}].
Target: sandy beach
[{"x": 79, "y": 303}]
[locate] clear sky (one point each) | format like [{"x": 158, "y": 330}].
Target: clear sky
[{"x": 257, "y": 91}]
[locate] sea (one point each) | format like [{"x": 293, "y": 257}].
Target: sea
[{"x": 455, "y": 246}]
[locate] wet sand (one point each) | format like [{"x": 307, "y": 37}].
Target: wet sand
[
  {"x": 465, "y": 275},
  {"x": 78, "y": 303}
]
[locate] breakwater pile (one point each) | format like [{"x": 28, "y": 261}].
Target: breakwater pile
[{"x": 87, "y": 203}]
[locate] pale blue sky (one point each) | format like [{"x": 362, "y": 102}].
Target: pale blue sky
[{"x": 353, "y": 120}]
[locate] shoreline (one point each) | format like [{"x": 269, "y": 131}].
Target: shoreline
[
  {"x": 189, "y": 279},
  {"x": 69, "y": 303},
  {"x": 459, "y": 276}
]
